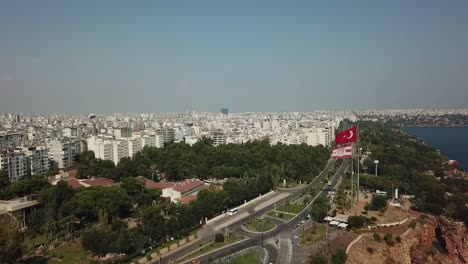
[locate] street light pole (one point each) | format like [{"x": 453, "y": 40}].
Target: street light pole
[{"x": 376, "y": 166}]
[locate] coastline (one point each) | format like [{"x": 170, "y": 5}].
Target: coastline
[
  {"x": 450, "y": 145},
  {"x": 432, "y": 126}
]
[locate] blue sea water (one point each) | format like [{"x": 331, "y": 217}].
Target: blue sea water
[{"x": 452, "y": 142}]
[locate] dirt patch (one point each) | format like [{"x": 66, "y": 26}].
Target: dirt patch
[
  {"x": 342, "y": 241},
  {"x": 392, "y": 214}
]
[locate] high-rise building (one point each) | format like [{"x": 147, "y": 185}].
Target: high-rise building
[
  {"x": 134, "y": 145},
  {"x": 15, "y": 162},
  {"x": 123, "y": 132},
  {"x": 167, "y": 134},
  {"x": 225, "y": 110},
  {"x": 219, "y": 138},
  {"x": 152, "y": 141},
  {"x": 320, "y": 136},
  {"x": 102, "y": 147},
  {"x": 119, "y": 150},
  {"x": 63, "y": 153},
  {"x": 38, "y": 159}
]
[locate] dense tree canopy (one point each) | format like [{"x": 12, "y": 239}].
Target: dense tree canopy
[
  {"x": 411, "y": 165},
  {"x": 203, "y": 160},
  {"x": 87, "y": 203}
]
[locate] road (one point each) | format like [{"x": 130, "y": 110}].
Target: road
[{"x": 276, "y": 253}]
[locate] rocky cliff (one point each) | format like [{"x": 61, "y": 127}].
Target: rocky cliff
[{"x": 432, "y": 241}]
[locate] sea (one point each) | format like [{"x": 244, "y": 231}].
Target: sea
[{"x": 452, "y": 142}]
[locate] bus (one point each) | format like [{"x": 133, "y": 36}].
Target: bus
[{"x": 233, "y": 211}]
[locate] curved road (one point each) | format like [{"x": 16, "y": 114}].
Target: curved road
[{"x": 276, "y": 253}]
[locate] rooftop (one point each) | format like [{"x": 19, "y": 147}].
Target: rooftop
[
  {"x": 187, "y": 199},
  {"x": 149, "y": 184},
  {"x": 17, "y": 204},
  {"x": 187, "y": 185},
  {"x": 103, "y": 182}
]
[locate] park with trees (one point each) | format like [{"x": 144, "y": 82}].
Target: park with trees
[{"x": 97, "y": 216}]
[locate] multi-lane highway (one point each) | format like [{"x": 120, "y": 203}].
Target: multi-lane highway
[{"x": 280, "y": 252}]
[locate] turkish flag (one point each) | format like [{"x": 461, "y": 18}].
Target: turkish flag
[{"x": 347, "y": 136}]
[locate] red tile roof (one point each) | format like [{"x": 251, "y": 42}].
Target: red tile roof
[
  {"x": 149, "y": 184},
  {"x": 187, "y": 199},
  {"x": 75, "y": 184},
  {"x": 187, "y": 185},
  {"x": 103, "y": 182},
  {"x": 73, "y": 173}
]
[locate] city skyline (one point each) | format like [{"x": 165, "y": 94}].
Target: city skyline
[{"x": 277, "y": 57}]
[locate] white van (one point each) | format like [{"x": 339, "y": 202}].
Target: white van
[{"x": 233, "y": 211}]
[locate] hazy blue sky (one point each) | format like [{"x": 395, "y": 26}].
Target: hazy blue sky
[{"x": 160, "y": 56}]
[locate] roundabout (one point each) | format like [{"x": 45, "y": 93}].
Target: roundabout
[{"x": 258, "y": 225}]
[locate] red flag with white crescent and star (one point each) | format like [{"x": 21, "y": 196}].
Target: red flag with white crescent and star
[{"x": 347, "y": 136}]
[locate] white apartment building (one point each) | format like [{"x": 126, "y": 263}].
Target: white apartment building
[
  {"x": 320, "y": 136},
  {"x": 15, "y": 162},
  {"x": 108, "y": 148},
  {"x": 135, "y": 144},
  {"x": 219, "y": 138},
  {"x": 167, "y": 134},
  {"x": 70, "y": 132},
  {"x": 152, "y": 141},
  {"x": 122, "y": 132},
  {"x": 102, "y": 147},
  {"x": 64, "y": 152},
  {"x": 119, "y": 150},
  {"x": 38, "y": 159}
]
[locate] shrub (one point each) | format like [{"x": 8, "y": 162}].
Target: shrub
[
  {"x": 391, "y": 243},
  {"x": 413, "y": 224},
  {"x": 378, "y": 202},
  {"x": 339, "y": 257},
  {"x": 370, "y": 250},
  {"x": 374, "y": 219},
  {"x": 356, "y": 221},
  {"x": 398, "y": 239},
  {"x": 376, "y": 237},
  {"x": 388, "y": 236},
  {"x": 219, "y": 238},
  {"x": 281, "y": 215},
  {"x": 367, "y": 207},
  {"x": 148, "y": 256}
]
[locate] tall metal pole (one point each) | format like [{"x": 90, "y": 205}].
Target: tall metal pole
[
  {"x": 359, "y": 161},
  {"x": 352, "y": 173}
]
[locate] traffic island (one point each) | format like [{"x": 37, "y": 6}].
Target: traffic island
[{"x": 258, "y": 226}]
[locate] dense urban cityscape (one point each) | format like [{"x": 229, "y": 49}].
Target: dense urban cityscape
[{"x": 76, "y": 149}]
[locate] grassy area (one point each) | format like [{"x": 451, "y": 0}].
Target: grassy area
[
  {"x": 295, "y": 206},
  {"x": 249, "y": 258},
  {"x": 257, "y": 225},
  {"x": 211, "y": 247},
  {"x": 312, "y": 235},
  {"x": 30, "y": 243},
  {"x": 281, "y": 215},
  {"x": 69, "y": 253}
]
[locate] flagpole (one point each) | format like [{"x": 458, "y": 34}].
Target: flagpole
[
  {"x": 352, "y": 174},
  {"x": 359, "y": 161}
]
